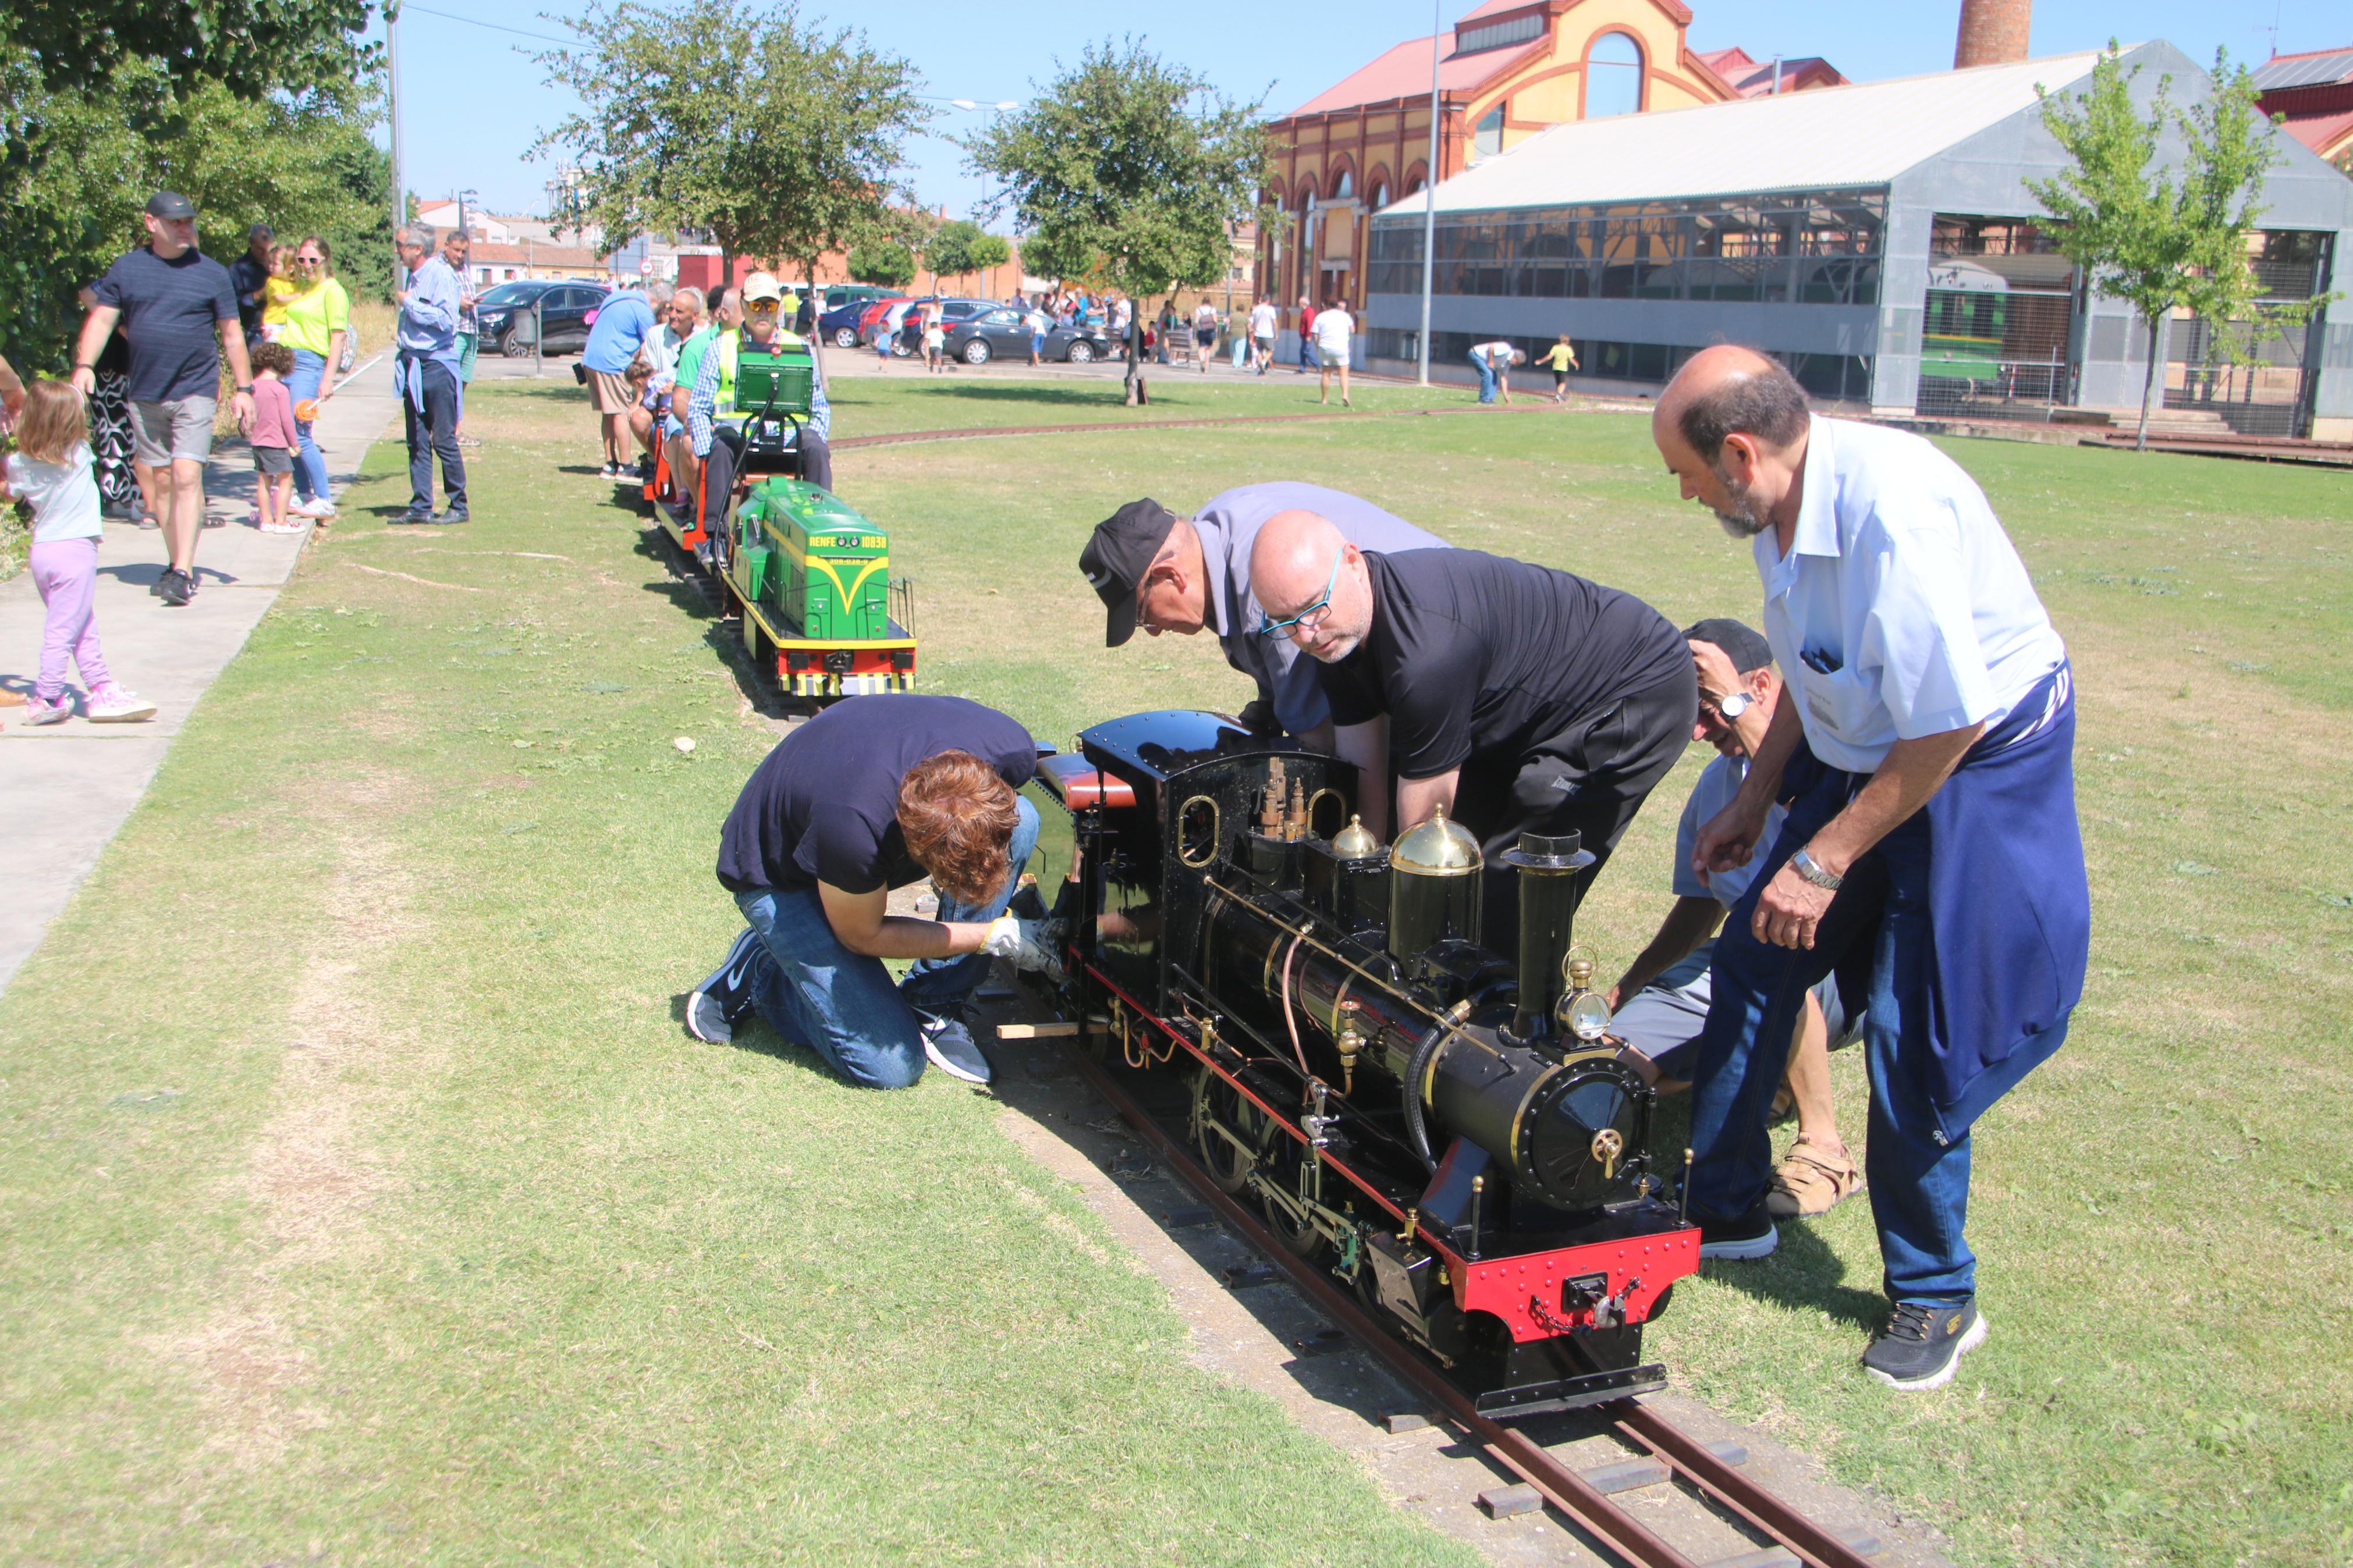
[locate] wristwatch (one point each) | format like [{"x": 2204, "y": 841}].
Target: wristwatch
[
  {"x": 1735, "y": 705},
  {"x": 1804, "y": 866},
  {"x": 246, "y": 387}
]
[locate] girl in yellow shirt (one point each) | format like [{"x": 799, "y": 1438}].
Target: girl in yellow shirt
[{"x": 277, "y": 292}]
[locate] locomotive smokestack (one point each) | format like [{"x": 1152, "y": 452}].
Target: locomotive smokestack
[
  {"x": 1993, "y": 32},
  {"x": 1549, "y": 888}
]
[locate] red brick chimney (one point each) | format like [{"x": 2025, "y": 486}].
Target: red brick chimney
[{"x": 1992, "y": 32}]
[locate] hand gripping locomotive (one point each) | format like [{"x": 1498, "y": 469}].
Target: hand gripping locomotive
[{"x": 1445, "y": 1128}]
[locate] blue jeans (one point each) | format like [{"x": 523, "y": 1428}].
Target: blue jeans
[
  {"x": 309, "y": 463},
  {"x": 1919, "y": 1178},
  {"x": 1486, "y": 378},
  {"x": 841, "y": 1004}
]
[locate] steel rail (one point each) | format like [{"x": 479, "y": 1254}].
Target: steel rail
[{"x": 1562, "y": 1487}]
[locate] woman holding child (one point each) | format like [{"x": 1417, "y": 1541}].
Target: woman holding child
[{"x": 318, "y": 317}]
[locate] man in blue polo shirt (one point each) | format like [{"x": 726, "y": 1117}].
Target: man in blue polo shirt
[
  {"x": 1923, "y": 742},
  {"x": 622, "y": 322}
]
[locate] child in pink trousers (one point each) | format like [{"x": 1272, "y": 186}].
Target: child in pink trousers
[{"x": 52, "y": 470}]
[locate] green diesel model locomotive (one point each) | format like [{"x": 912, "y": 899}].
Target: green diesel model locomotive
[{"x": 812, "y": 579}]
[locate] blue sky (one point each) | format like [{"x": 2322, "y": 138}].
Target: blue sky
[{"x": 472, "y": 105}]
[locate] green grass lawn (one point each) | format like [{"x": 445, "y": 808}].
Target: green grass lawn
[{"x": 365, "y": 1200}]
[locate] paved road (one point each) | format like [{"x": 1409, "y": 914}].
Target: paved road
[{"x": 70, "y": 787}]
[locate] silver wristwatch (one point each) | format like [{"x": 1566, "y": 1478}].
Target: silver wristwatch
[
  {"x": 1804, "y": 866},
  {"x": 1734, "y": 704}
]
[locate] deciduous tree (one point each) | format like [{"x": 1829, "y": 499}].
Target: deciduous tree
[
  {"x": 1125, "y": 172},
  {"x": 2171, "y": 237},
  {"x": 739, "y": 120},
  {"x": 962, "y": 248},
  {"x": 248, "y": 47}
]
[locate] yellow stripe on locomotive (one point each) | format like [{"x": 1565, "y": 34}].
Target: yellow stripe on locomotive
[{"x": 814, "y": 578}]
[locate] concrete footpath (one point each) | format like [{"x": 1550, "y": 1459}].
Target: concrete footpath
[{"x": 70, "y": 787}]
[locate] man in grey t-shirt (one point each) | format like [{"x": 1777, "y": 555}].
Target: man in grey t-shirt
[{"x": 1171, "y": 573}]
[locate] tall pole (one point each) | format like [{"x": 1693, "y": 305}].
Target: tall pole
[
  {"x": 1430, "y": 192},
  {"x": 391, "y": 79}
]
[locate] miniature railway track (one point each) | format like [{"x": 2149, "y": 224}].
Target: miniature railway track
[{"x": 1602, "y": 1520}]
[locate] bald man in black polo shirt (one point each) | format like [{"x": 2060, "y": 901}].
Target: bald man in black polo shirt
[{"x": 1513, "y": 696}]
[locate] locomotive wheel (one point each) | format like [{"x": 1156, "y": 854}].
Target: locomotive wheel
[
  {"x": 1214, "y": 1099},
  {"x": 1280, "y": 1166}
]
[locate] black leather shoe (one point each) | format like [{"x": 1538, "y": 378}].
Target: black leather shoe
[
  {"x": 414, "y": 515},
  {"x": 455, "y": 514}
]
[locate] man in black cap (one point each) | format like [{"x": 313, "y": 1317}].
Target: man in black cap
[
  {"x": 179, "y": 313},
  {"x": 250, "y": 276},
  {"x": 1659, "y": 1004},
  {"x": 1184, "y": 574}
]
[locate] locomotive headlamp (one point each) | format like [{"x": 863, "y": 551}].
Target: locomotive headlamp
[{"x": 1587, "y": 1017}]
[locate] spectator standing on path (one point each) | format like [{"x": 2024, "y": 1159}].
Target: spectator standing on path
[
  {"x": 1307, "y": 336},
  {"x": 621, "y": 325},
  {"x": 1495, "y": 361},
  {"x": 178, "y": 310},
  {"x": 1167, "y": 329},
  {"x": 273, "y": 440},
  {"x": 458, "y": 251},
  {"x": 51, "y": 472},
  {"x": 120, "y": 492},
  {"x": 425, "y": 373},
  {"x": 1262, "y": 334},
  {"x": 318, "y": 321},
  {"x": 1035, "y": 321},
  {"x": 1204, "y": 333},
  {"x": 249, "y": 275},
  {"x": 1562, "y": 359},
  {"x": 1334, "y": 332}
]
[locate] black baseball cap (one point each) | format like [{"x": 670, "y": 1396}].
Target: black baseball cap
[
  {"x": 1124, "y": 547},
  {"x": 1744, "y": 646},
  {"x": 170, "y": 205}
]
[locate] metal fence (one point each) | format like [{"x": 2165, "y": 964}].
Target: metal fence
[
  {"x": 1994, "y": 389},
  {"x": 2260, "y": 392}
]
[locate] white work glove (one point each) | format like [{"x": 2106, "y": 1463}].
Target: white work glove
[{"x": 1025, "y": 942}]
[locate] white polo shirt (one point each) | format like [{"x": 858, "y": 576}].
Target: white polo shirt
[{"x": 1901, "y": 609}]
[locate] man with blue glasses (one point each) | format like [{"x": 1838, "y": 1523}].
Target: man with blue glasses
[
  {"x": 1184, "y": 575},
  {"x": 1513, "y": 696}
]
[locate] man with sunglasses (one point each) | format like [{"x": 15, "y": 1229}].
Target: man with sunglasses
[
  {"x": 1184, "y": 574},
  {"x": 713, "y": 428},
  {"x": 1513, "y": 696}
]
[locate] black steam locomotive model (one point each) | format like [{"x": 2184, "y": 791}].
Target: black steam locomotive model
[{"x": 1446, "y": 1128}]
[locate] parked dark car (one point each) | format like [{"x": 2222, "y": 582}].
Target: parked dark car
[
  {"x": 951, "y": 313},
  {"x": 504, "y": 313},
  {"x": 839, "y": 325},
  {"x": 999, "y": 332}
]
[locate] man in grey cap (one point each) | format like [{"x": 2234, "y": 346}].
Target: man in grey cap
[
  {"x": 1184, "y": 574},
  {"x": 180, "y": 315}
]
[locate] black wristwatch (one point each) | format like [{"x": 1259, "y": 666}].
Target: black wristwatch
[{"x": 246, "y": 387}]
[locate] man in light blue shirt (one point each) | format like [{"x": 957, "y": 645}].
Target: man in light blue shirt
[
  {"x": 1168, "y": 573},
  {"x": 425, "y": 372},
  {"x": 1923, "y": 744},
  {"x": 624, "y": 319}
]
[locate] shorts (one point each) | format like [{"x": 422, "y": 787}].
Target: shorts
[
  {"x": 1663, "y": 1022},
  {"x": 272, "y": 460},
  {"x": 1037, "y": 342},
  {"x": 609, "y": 392},
  {"x": 468, "y": 344},
  {"x": 1559, "y": 379},
  {"x": 1266, "y": 345},
  {"x": 178, "y": 430}
]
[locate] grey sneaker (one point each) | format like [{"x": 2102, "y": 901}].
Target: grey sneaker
[
  {"x": 1922, "y": 1344},
  {"x": 1752, "y": 1235},
  {"x": 948, "y": 1043},
  {"x": 706, "y": 1020}
]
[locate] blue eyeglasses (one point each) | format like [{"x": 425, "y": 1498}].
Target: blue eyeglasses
[{"x": 1313, "y": 616}]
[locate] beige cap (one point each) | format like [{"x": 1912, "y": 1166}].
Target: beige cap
[{"x": 761, "y": 286}]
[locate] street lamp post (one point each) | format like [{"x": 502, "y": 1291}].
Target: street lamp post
[{"x": 1430, "y": 191}]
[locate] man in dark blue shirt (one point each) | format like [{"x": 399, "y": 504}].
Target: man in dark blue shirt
[
  {"x": 250, "y": 276},
  {"x": 180, "y": 315},
  {"x": 874, "y": 794}
]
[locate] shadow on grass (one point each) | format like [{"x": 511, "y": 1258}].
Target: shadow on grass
[{"x": 1106, "y": 396}]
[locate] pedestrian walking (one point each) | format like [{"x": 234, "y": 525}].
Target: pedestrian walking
[
  {"x": 1262, "y": 332},
  {"x": 1205, "y": 333},
  {"x": 1167, "y": 323},
  {"x": 425, "y": 373},
  {"x": 51, "y": 472},
  {"x": 936, "y": 340},
  {"x": 1562, "y": 359},
  {"x": 1307, "y": 336},
  {"x": 178, "y": 310},
  {"x": 1335, "y": 334},
  {"x": 318, "y": 328}
]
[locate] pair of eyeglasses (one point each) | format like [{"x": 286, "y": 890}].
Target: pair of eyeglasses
[
  {"x": 1313, "y": 616},
  {"x": 308, "y": 261}
]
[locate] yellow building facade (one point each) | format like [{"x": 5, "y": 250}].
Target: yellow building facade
[{"x": 1506, "y": 70}]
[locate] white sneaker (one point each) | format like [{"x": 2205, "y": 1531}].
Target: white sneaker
[
  {"x": 317, "y": 506},
  {"x": 110, "y": 704}
]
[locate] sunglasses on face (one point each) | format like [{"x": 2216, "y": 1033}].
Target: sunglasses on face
[{"x": 1314, "y": 615}]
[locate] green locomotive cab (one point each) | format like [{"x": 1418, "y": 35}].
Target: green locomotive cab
[{"x": 813, "y": 578}]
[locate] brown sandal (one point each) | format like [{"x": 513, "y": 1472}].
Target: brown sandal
[{"x": 1810, "y": 1182}]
